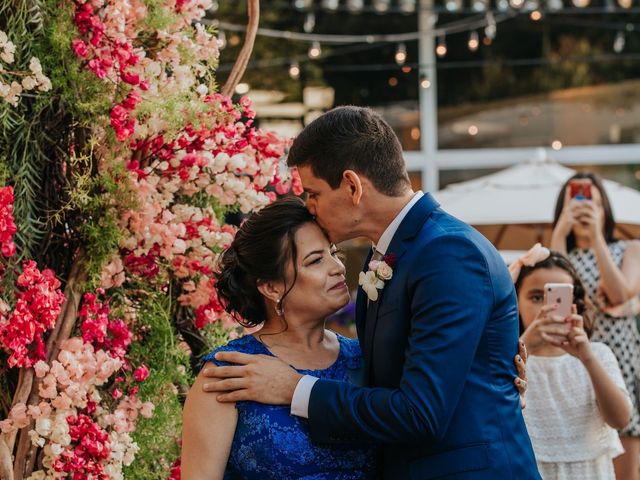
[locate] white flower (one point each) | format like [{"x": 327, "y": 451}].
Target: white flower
[
  {"x": 29, "y": 83},
  {"x": 370, "y": 283},
  {"x": 384, "y": 271}
]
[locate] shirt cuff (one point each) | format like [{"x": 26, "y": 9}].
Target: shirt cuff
[{"x": 301, "y": 396}]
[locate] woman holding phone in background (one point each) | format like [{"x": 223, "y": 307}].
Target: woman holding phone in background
[
  {"x": 576, "y": 396},
  {"x": 610, "y": 271}
]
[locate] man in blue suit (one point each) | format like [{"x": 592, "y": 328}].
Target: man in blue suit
[{"x": 438, "y": 332}]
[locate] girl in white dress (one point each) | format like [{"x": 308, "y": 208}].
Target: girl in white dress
[{"x": 576, "y": 396}]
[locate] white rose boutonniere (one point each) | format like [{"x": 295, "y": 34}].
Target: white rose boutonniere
[{"x": 380, "y": 271}]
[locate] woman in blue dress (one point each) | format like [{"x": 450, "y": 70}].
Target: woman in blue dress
[{"x": 281, "y": 272}]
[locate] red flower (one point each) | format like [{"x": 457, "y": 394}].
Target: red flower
[
  {"x": 80, "y": 48},
  {"x": 141, "y": 373}
]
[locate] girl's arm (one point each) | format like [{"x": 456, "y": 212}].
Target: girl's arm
[
  {"x": 619, "y": 284},
  {"x": 612, "y": 401},
  {"x": 207, "y": 434}
]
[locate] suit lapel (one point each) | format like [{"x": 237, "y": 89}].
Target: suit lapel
[
  {"x": 361, "y": 303},
  {"x": 408, "y": 229}
]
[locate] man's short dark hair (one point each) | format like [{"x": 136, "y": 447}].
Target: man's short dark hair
[{"x": 352, "y": 138}]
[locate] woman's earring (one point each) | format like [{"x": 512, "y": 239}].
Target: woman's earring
[{"x": 279, "y": 309}]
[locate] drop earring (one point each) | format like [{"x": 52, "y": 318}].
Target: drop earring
[{"x": 279, "y": 310}]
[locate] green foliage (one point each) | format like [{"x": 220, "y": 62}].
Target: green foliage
[{"x": 166, "y": 387}]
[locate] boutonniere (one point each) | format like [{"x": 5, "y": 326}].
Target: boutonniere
[{"x": 380, "y": 271}]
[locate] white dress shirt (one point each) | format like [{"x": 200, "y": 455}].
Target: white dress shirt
[{"x": 302, "y": 393}]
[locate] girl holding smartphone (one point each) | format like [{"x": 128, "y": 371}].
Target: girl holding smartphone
[
  {"x": 576, "y": 396},
  {"x": 610, "y": 271}
]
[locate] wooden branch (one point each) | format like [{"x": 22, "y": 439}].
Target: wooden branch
[
  {"x": 253, "y": 10},
  {"x": 6, "y": 469},
  {"x": 23, "y": 389},
  {"x": 26, "y": 451}
]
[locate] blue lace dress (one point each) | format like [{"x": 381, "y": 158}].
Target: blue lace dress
[{"x": 270, "y": 443}]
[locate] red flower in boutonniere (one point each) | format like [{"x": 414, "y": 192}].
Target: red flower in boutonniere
[{"x": 390, "y": 259}]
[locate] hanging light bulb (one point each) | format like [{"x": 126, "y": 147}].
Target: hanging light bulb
[
  {"x": 315, "y": 50},
  {"x": 294, "y": 70},
  {"x": 330, "y": 4},
  {"x": 424, "y": 81},
  {"x": 516, "y": 4},
  {"x": 309, "y": 22},
  {"x": 531, "y": 5},
  {"x": 401, "y": 54},
  {"x": 619, "y": 42},
  {"x": 554, "y": 5},
  {"x": 502, "y": 5},
  {"x": 479, "y": 5},
  {"x": 355, "y": 5},
  {"x": 453, "y": 5},
  {"x": 407, "y": 6},
  {"x": 303, "y": 4},
  {"x": 381, "y": 6},
  {"x": 625, "y": 3},
  {"x": 581, "y": 3},
  {"x": 441, "y": 48},
  {"x": 222, "y": 40},
  {"x": 536, "y": 15},
  {"x": 474, "y": 41},
  {"x": 490, "y": 30}
]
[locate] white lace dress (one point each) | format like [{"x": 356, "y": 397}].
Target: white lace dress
[{"x": 570, "y": 438}]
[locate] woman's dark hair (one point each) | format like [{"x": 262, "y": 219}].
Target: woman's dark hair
[
  {"x": 261, "y": 250},
  {"x": 580, "y": 298},
  {"x": 352, "y": 138},
  {"x": 609, "y": 221}
]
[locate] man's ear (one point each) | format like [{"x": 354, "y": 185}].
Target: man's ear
[
  {"x": 351, "y": 180},
  {"x": 270, "y": 290}
]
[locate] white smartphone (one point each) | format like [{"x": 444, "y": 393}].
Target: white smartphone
[{"x": 560, "y": 294}]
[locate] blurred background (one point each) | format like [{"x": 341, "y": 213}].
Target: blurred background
[{"x": 471, "y": 87}]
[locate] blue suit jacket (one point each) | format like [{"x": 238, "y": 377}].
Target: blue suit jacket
[{"x": 438, "y": 348}]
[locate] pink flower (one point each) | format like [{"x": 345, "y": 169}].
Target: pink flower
[
  {"x": 116, "y": 393},
  {"x": 79, "y": 48},
  {"x": 141, "y": 373}
]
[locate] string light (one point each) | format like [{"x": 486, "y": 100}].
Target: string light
[
  {"x": 406, "y": 69},
  {"x": 556, "y": 144},
  {"x": 393, "y": 82},
  {"x": 554, "y": 5},
  {"x": 490, "y": 30},
  {"x": 315, "y": 50},
  {"x": 502, "y": 5},
  {"x": 531, "y": 5},
  {"x": 355, "y": 5},
  {"x": 381, "y": 6},
  {"x": 581, "y": 3},
  {"x": 625, "y": 3},
  {"x": 480, "y": 5},
  {"x": 441, "y": 49},
  {"x": 453, "y": 5},
  {"x": 303, "y": 4},
  {"x": 330, "y": 4},
  {"x": 309, "y": 22},
  {"x": 222, "y": 40},
  {"x": 536, "y": 15},
  {"x": 472, "y": 130},
  {"x": 424, "y": 81},
  {"x": 294, "y": 70},
  {"x": 619, "y": 42},
  {"x": 474, "y": 41},
  {"x": 517, "y": 4},
  {"x": 401, "y": 54},
  {"x": 407, "y": 6}
]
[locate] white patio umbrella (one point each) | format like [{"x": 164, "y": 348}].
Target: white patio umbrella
[{"x": 514, "y": 207}]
